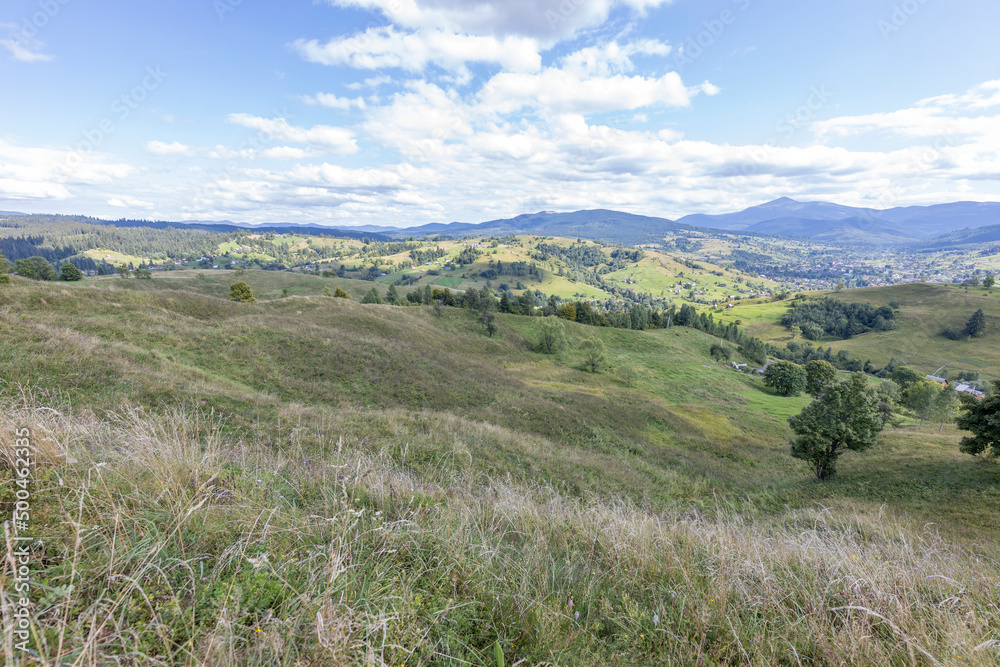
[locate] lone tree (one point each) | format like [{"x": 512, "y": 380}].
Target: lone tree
[
  {"x": 820, "y": 374},
  {"x": 845, "y": 417},
  {"x": 989, "y": 282},
  {"x": 339, "y": 293},
  {"x": 372, "y": 296},
  {"x": 628, "y": 373},
  {"x": 976, "y": 324},
  {"x": 788, "y": 378},
  {"x": 69, "y": 272},
  {"x": 241, "y": 292},
  {"x": 553, "y": 336},
  {"x": 982, "y": 417},
  {"x": 593, "y": 353}
]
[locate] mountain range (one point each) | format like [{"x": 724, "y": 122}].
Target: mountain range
[{"x": 956, "y": 223}]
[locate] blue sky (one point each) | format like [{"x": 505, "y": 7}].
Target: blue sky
[{"x": 403, "y": 112}]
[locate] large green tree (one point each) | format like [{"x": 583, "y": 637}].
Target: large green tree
[
  {"x": 69, "y": 272},
  {"x": 844, "y": 418},
  {"x": 392, "y": 296},
  {"x": 905, "y": 376},
  {"x": 989, "y": 282},
  {"x": 820, "y": 374},
  {"x": 982, "y": 417},
  {"x": 787, "y": 377},
  {"x": 976, "y": 324},
  {"x": 919, "y": 397}
]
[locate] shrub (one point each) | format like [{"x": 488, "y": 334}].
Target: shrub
[
  {"x": 339, "y": 293},
  {"x": 594, "y": 354},
  {"x": 720, "y": 352},
  {"x": 241, "y": 292}
]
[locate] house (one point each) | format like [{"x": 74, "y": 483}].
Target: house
[
  {"x": 941, "y": 381},
  {"x": 763, "y": 369},
  {"x": 968, "y": 389}
]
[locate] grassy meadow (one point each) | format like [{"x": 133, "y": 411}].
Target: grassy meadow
[{"x": 313, "y": 481}]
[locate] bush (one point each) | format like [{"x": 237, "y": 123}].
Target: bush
[
  {"x": 339, "y": 293},
  {"x": 953, "y": 333},
  {"x": 241, "y": 292},
  {"x": 720, "y": 352},
  {"x": 372, "y": 296}
]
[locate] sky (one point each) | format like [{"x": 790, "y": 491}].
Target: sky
[{"x": 407, "y": 112}]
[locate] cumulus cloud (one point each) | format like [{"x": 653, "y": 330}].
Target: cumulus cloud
[
  {"x": 383, "y": 47},
  {"x": 125, "y": 201},
  {"x": 331, "y": 101},
  {"x": 327, "y": 137},
  {"x": 547, "y": 21},
  {"x": 164, "y": 149}
]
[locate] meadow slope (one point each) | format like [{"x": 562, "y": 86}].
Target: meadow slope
[{"x": 309, "y": 480}]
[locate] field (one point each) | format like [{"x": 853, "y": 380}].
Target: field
[
  {"x": 310, "y": 480},
  {"x": 925, "y": 309}
]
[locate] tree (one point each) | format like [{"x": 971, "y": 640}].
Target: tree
[
  {"x": 241, "y": 292},
  {"x": 628, "y": 373},
  {"x": 372, "y": 296},
  {"x": 568, "y": 311},
  {"x": 552, "y": 337},
  {"x": 989, "y": 282},
  {"x": 844, "y": 418},
  {"x": 944, "y": 408},
  {"x": 5, "y": 268},
  {"x": 976, "y": 324},
  {"x": 489, "y": 321},
  {"x": 122, "y": 271},
  {"x": 905, "y": 376},
  {"x": 339, "y": 293},
  {"x": 720, "y": 352},
  {"x": 982, "y": 417},
  {"x": 143, "y": 274},
  {"x": 820, "y": 374},
  {"x": 594, "y": 354},
  {"x": 919, "y": 397},
  {"x": 392, "y": 296},
  {"x": 787, "y": 377},
  {"x": 25, "y": 269}
]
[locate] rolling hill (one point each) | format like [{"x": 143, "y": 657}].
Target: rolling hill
[{"x": 310, "y": 480}]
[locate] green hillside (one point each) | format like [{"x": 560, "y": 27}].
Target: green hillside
[
  {"x": 312, "y": 480},
  {"x": 925, "y": 309}
]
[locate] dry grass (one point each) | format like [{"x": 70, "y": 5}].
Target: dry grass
[{"x": 168, "y": 538}]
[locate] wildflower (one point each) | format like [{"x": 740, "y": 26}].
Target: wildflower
[
  {"x": 656, "y": 620},
  {"x": 576, "y": 615}
]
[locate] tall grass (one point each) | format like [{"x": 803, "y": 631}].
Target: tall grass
[{"x": 171, "y": 538}]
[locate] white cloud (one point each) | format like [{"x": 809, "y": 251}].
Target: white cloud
[
  {"x": 331, "y": 101},
  {"x": 24, "y": 51},
  {"x": 547, "y": 21},
  {"x": 564, "y": 91},
  {"x": 129, "y": 202},
  {"x": 334, "y": 139},
  {"x": 934, "y": 116},
  {"x": 164, "y": 149},
  {"x": 383, "y": 47},
  {"x": 611, "y": 58}
]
